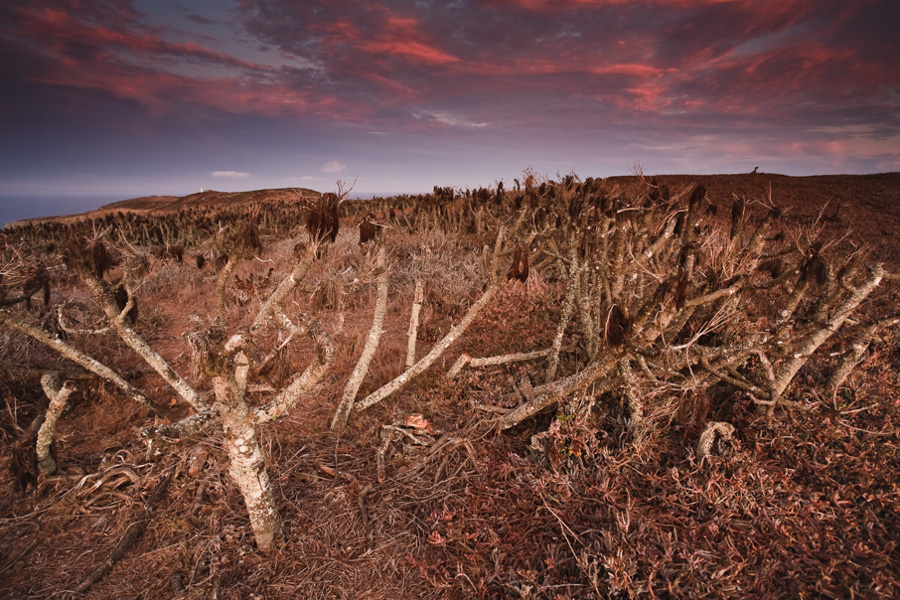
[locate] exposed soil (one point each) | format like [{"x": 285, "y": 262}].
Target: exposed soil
[{"x": 805, "y": 507}]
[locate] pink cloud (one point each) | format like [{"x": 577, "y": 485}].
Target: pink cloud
[
  {"x": 636, "y": 70},
  {"x": 547, "y": 5},
  {"x": 411, "y": 49},
  {"x": 59, "y": 30},
  {"x": 136, "y": 64},
  {"x": 388, "y": 35},
  {"x": 659, "y": 59}
]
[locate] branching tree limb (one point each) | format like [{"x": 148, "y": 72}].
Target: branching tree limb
[
  {"x": 58, "y": 395},
  {"x": 225, "y": 359},
  {"x": 677, "y": 293},
  {"x": 418, "y": 299},
  {"x": 426, "y": 361},
  {"x": 67, "y": 351},
  {"x": 362, "y": 366}
]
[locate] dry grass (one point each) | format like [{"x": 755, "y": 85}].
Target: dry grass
[{"x": 574, "y": 504}]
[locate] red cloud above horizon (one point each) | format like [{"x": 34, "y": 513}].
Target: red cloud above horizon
[{"x": 506, "y": 63}]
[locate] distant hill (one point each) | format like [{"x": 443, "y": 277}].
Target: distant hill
[
  {"x": 209, "y": 199},
  {"x": 167, "y": 204}
]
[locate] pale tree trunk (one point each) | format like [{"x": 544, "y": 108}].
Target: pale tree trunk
[
  {"x": 58, "y": 396},
  {"x": 460, "y": 328},
  {"x": 73, "y": 354},
  {"x": 801, "y": 355},
  {"x": 342, "y": 414},
  {"x": 247, "y": 467},
  {"x": 418, "y": 298}
]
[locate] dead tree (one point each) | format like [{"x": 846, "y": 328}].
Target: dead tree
[
  {"x": 502, "y": 248},
  {"x": 225, "y": 355},
  {"x": 362, "y": 366},
  {"x": 668, "y": 296}
]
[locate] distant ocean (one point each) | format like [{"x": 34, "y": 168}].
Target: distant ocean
[{"x": 14, "y": 208}]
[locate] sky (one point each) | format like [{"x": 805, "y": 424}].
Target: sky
[{"x": 140, "y": 97}]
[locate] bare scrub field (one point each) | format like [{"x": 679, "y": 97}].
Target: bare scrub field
[{"x": 692, "y": 390}]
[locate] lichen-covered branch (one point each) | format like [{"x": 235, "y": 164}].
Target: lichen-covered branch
[
  {"x": 271, "y": 307},
  {"x": 186, "y": 427},
  {"x": 58, "y": 395},
  {"x": 801, "y": 355},
  {"x": 564, "y": 318},
  {"x": 221, "y": 287},
  {"x": 302, "y": 384},
  {"x": 65, "y": 350},
  {"x": 454, "y": 333},
  {"x": 858, "y": 346},
  {"x": 435, "y": 352},
  {"x": 342, "y": 414},
  {"x": 102, "y": 295},
  {"x": 465, "y": 360},
  {"x": 418, "y": 299},
  {"x": 550, "y": 393}
]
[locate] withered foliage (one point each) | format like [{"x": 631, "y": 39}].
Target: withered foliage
[
  {"x": 90, "y": 257},
  {"x": 121, "y": 296},
  {"x": 37, "y": 279},
  {"x": 773, "y": 266},
  {"x": 814, "y": 268},
  {"x": 519, "y": 268},
  {"x": 221, "y": 260},
  {"x": 177, "y": 251},
  {"x": 322, "y": 221},
  {"x": 615, "y": 326},
  {"x": 367, "y": 230},
  {"x": 738, "y": 208},
  {"x": 23, "y": 457},
  {"x": 247, "y": 239},
  {"x": 577, "y": 502}
]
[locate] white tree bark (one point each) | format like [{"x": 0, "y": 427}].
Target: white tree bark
[
  {"x": 247, "y": 467},
  {"x": 789, "y": 369},
  {"x": 58, "y": 396},
  {"x": 342, "y": 414},
  {"x": 465, "y": 360},
  {"x": 435, "y": 353},
  {"x": 159, "y": 364},
  {"x": 418, "y": 298},
  {"x": 65, "y": 350},
  {"x": 248, "y": 471}
]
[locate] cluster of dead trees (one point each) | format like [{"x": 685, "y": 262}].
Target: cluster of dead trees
[{"x": 662, "y": 295}]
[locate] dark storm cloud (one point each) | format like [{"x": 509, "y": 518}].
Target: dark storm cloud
[
  {"x": 660, "y": 60},
  {"x": 108, "y": 48},
  {"x": 200, "y": 20},
  {"x": 664, "y": 80}
]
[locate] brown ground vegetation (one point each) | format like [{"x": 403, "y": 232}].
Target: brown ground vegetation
[{"x": 422, "y": 496}]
